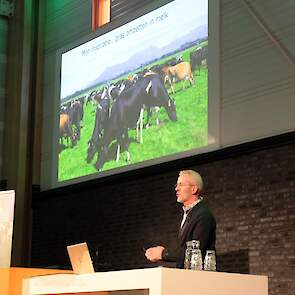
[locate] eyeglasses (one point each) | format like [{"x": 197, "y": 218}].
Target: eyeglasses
[{"x": 182, "y": 184}]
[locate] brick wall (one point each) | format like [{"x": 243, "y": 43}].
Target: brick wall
[{"x": 251, "y": 195}]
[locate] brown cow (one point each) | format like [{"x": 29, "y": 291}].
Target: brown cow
[
  {"x": 65, "y": 130},
  {"x": 181, "y": 72},
  {"x": 164, "y": 73}
]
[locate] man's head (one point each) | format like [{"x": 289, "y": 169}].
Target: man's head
[{"x": 189, "y": 186}]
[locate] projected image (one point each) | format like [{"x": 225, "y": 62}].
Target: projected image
[{"x": 137, "y": 93}]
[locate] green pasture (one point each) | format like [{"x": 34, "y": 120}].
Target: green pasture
[{"x": 190, "y": 131}]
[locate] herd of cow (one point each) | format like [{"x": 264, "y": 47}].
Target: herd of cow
[{"x": 120, "y": 106}]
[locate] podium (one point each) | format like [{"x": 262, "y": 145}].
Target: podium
[
  {"x": 11, "y": 278},
  {"x": 150, "y": 281}
]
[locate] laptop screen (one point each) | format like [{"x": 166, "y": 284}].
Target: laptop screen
[{"x": 80, "y": 258}]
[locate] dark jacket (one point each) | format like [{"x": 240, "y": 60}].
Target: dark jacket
[{"x": 199, "y": 225}]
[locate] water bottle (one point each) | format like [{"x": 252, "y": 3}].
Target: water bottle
[
  {"x": 196, "y": 256},
  {"x": 188, "y": 255},
  {"x": 210, "y": 260}
]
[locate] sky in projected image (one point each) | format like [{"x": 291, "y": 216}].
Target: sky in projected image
[{"x": 137, "y": 43}]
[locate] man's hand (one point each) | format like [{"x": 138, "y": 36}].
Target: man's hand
[{"x": 154, "y": 254}]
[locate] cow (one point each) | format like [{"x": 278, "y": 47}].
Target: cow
[
  {"x": 76, "y": 113},
  {"x": 101, "y": 117},
  {"x": 163, "y": 71},
  {"x": 96, "y": 97},
  {"x": 115, "y": 90},
  {"x": 82, "y": 100},
  {"x": 140, "y": 74},
  {"x": 90, "y": 96},
  {"x": 63, "y": 109},
  {"x": 126, "y": 84},
  {"x": 156, "y": 68},
  {"x": 174, "y": 61},
  {"x": 197, "y": 57},
  {"x": 149, "y": 91},
  {"x": 65, "y": 130},
  {"x": 180, "y": 72},
  {"x": 152, "y": 111}
]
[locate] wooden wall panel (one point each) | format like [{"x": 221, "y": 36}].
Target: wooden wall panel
[
  {"x": 64, "y": 23},
  {"x": 258, "y": 78},
  {"x": 120, "y": 8},
  {"x": 3, "y": 63}
]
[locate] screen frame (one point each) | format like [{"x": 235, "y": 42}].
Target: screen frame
[{"x": 214, "y": 91}]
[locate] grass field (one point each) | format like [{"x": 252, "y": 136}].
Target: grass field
[{"x": 190, "y": 131}]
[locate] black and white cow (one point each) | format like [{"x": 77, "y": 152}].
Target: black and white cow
[
  {"x": 149, "y": 91},
  {"x": 197, "y": 57},
  {"x": 76, "y": 113},
  {"x": 101, "y": 117},
  {"x": 174, "y": 61}
]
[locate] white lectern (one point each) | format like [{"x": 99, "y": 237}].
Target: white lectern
[
  {"x": 6, "y": 226},
  {"x": 152, "y": 281}
]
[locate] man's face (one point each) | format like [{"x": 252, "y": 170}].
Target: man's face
[{"x": 185, "y": 189}]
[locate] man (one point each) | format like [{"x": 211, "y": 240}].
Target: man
[{"x": 197, "y": 223}]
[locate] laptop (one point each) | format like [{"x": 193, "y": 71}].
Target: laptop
[{"x": 80, "y": 258}]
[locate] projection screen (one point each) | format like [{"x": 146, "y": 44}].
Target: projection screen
[{"x": 138, "y": 94}]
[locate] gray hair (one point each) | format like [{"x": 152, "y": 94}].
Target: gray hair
[{"x": 196, "y": 178}]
